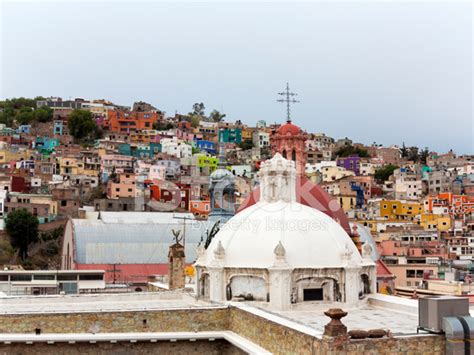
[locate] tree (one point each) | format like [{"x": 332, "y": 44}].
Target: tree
[
  {"x": 7, "y": 116},
  {"x": 413, "y": 154},
  {"x": 198, "y": 109},
  {"x": 349, "y": 150},
  {"x": 424, "y": 154},
  {"x": 216, "y": 116},
  {"x": 43, "y": 114},
  {"x": 22, "y": 227},
  {"x": 246, "y": 144},
  {"x": 404, "y": 151},
  {"x": 382, "y": 174},
  {"x": 195, "y": 120},
  {"x": 82, "y": 125},
  {"x": 25, "y": 115}
]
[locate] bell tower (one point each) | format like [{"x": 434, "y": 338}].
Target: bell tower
[{"x": 289, "y": 140}]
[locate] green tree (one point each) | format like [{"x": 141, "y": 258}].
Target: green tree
[
  {"x": 7, "y": 116},
  {"x": 424, "y": 154},
  {"x": 22, "y": 227},
  {"x": 195, "y": 120},
  {"x": 82, "y": 125},
  {"x": 349, "y": 150},
  {"x": 246, "y": 144},
  {"x": 413, "y": 154},
  {"x": 25, "y": 115},
  {"x": 382, "y": 174},
  {"x": 198, "y": 109},
  {"x": 404, "y": 151},
  {"x": 43, "y": 114},
  {"x": 216, "y": 116}
]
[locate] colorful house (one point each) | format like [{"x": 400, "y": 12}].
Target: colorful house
[
  {"x": 206, "y": 146},
  {"x": 394, "y": 210},
  {"x": 230, "y": 135},
  {"x": 350, "y": 163},
  {"x": 130, "y": 121}
]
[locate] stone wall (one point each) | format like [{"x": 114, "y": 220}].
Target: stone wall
[
  {"x": 420, "y": 345},
  {"x": 280, "y": 339},
  {"x": 271, "y": 335},
  {"x": 179, "y": 320},
  {"x": 216, "y": 347}
]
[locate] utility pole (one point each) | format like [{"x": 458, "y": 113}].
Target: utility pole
[
  {"x": 288, "y": 98},
  {"x": 115, "y": 271},
  {"x": 184, "y": 226}
]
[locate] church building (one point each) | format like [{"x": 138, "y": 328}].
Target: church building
[{"x": 282, "y": 253}]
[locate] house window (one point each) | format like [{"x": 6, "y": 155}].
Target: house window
[{"x": 313, "y": 294}]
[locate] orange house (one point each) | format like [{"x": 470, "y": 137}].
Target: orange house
[
  {"x": 200, "y": 208},
  {"x": 126, "y": 122},
  {"x": 457, "y": 205}
]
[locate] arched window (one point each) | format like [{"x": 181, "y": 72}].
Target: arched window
[
  {"x": 293, "y": 155},
  {"x": 284, "y": 154}
]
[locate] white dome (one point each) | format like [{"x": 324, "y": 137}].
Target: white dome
[
  {"x": 310, "y": 238},
  {"x": 220, "y": 173}
]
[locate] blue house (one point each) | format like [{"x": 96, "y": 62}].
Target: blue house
[
  {"x": 58, "y": 128},
  {"x": 46, "y": 144},
  {"x": 206, "y": 146},
  {"x": 25, "y": 129}
]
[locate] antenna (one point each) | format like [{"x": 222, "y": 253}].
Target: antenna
[{"x": 288, "y": 99}]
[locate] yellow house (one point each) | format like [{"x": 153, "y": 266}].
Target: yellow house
[
  {"x": 247, "y": 133},
  {"x": 70, "y": 166},
  {"x": 7, "y": 155},
  {"x": 347, "y": 202},
  {"x": 435, "y": 221},
  {"x": 394, "y": 210}
]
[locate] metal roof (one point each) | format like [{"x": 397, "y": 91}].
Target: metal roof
[{"x": 133, "y": 242}]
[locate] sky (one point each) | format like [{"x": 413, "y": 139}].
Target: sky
[{"x": 376, "y": 71}]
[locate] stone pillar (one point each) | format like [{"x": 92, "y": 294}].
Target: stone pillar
[
  {"x": 335, "y": 328},
  {"x": 280, "y": 288},
  {"x": 176, "y": 266},
  {"x": 352, "y": 284},
  {"x": 216, "y": 280}
]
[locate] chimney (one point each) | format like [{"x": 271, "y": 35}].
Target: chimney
[{"x": 176, "y": 265}]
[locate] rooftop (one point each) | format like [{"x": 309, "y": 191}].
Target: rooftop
[{"x": 100, "y": 303}]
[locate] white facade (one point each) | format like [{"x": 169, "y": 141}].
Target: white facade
[
  {"x": 366, "y": 168},
  {"x": 176, "y": 147},
  {"x": 407, "y": 189},
  {"x": 261, "y": 139},
  {"x": 282, "y": 253},
  {"x": 317, "y": 167}
]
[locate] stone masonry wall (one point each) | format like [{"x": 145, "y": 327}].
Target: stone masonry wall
[
  {"x": 120, "y": 322},
  {"x": 274, "y": 337},
  {"x": 280, "y": 339},
  {"x": 216, "y": 347}
]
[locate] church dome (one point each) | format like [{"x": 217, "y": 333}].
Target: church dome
[
  {"x": 311, "y": 195},
  {"x": 289, "y": 129},
  {"x": 220, "y": 174},
  {"x": 277, "y": 224},
  {"x": 310, "y": 238}
]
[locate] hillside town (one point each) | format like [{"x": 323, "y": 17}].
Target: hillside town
[{"x": 81, "y": 167}]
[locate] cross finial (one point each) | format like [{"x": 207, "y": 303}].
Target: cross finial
[{"x": 288, "y": 99}]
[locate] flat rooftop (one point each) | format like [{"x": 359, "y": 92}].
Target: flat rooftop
[
  {"x": 100, "y": 303},
  {"x": 367, "y": 317}
]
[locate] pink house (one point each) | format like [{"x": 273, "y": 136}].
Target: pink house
[{"x": 124, "y": 186}]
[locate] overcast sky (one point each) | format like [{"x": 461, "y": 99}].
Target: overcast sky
[{"x": 373, "y": 71}]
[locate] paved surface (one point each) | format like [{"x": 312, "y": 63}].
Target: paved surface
[
  {"x": 98, "y": 303},
  {"x": 364, "y": 318}
]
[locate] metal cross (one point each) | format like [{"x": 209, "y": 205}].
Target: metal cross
[{"x": 288, "y": 99}]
